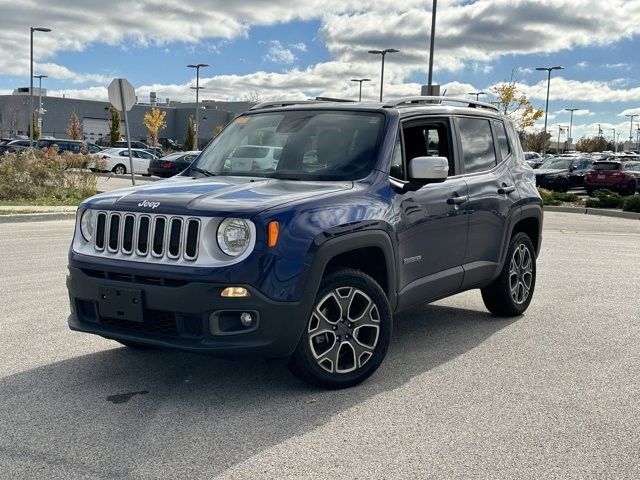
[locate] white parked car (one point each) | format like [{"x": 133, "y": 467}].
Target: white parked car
[
  {"x": 254, "y": 157},
  {"x": 116, "y": 160}
]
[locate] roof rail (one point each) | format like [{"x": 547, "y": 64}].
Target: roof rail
[
  {"x": 407, "y": 101},
  {"x": 282, "y": 103}
]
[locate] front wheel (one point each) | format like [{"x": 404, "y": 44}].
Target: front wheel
[
  {"x": 347, "y": 334},
  {"x": 510, "y": 294}
]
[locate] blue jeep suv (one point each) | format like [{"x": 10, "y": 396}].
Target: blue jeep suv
[{"x": 367, "y": 210}]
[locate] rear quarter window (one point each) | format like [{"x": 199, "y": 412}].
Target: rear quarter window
[{"x": 478, "y": 150}]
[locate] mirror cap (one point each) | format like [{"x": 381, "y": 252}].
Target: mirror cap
[{"x": 429, "y": 168}]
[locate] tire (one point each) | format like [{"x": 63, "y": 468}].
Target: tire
[
  {"x": 135, "y": 345},
  {"x": 631, "y": 189},
  {"x": 562, "y": 185},
  {"x": 119, "y": 169},
  {"x": 504, "y": 299},
  {"x": 334, "y": 352}
]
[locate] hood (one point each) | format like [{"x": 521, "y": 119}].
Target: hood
[{"x": 207, "y": 196}]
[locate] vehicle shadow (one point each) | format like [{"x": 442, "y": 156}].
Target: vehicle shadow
[{"x": 119, "y": 413}]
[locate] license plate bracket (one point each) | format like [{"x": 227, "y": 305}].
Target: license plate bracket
[{"x": 121, "y": 304}]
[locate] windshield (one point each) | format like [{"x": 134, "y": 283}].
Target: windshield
[
  {"x": 557, "y": 163},
  {"x": 298, "y": 145}
]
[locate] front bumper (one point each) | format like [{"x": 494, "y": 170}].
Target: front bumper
[{"x": 186, "y": 315}]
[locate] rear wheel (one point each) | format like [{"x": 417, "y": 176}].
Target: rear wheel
[
  {"x": 631, "y": 189},
  {"x": 510, "y": 294},
  {"x": 119, "y": 169},
  {"x": 348, "y": 332},
  {"x": 562, "y": 185}
]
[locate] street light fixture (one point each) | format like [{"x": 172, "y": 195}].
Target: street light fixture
[
  {"x": 477, "y": 94},
  {"x": 30, "y": 118},
  {"x": 384, "y": 54},
  {"x": 571, "y": 122},
  {"x": 546, "y": 108},
  {"x": 631, "y": 116},
  {"x": 197, "y": 66},
  {"x": 360, "y": 80},
  {"x": 40, "y": 77}
]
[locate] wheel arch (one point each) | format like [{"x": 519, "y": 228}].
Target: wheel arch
[{"x": 370, "y": 251}]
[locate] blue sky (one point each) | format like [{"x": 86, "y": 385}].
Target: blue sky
[{"x": 284, "y": 49}]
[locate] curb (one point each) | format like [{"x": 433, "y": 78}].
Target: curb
[
  {"x": 37, "y": 217},
  {"x": 594, "y": 211}
]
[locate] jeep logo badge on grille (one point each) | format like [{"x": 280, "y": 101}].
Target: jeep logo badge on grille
[{"x": 151, "y": 205}]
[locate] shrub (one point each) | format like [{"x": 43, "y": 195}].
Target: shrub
[
  {"x": 547, "y": 197},
  {"x": 556, "y": 198},
  {"x": 631, "y": 204},
  {"x": 45, "y": 175},
  {"x": 604, "y": 199}
]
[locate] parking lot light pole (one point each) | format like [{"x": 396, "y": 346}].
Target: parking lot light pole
[
  {"x": 571, "y": 120},
  {"x": 30, "y": 118},
  {"x": 384, "y": 54},
  {"x": 615, "y": 144},
  {"x": 477, "y": 94},
  {"x": 546, "y": 108},
  {"x": 432, "y": 45},
  {"x": 197, "y": 66},
  {"x": 360, "y": 80},
  {"x": 631, "y": 117},
  {"x": 40, "y": 77}
]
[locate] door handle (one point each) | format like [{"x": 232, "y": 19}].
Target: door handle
[
  {"x": 457, "y": 200},
  {"x": 506, "y": 190}
]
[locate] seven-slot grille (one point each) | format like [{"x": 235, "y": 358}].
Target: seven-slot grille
[{"x": 144, "y": 235}]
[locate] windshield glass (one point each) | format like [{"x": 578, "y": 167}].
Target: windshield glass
[
  {"x": 300, "y": 145},
  {"x": 557, "y": 163}
]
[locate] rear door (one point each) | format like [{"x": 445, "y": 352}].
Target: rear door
[{"x": 486, "y": 155}]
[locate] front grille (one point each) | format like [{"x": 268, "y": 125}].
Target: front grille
[
  {"x": 144, "y": 235},
  {"x": 156, "y": 322}
]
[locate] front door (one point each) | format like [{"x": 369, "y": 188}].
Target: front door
[{"x": 432, "y": 221}]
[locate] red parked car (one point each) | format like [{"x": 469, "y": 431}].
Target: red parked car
[{"x": 622, "y": 177}]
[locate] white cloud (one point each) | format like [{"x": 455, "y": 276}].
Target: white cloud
[
  {"x": 583, "y": 64},
  {"x": 584, "y": 91},
  {"x": 278, "y": 54},
  {"x": 300, "y": 46},
  {"x": 624, "y": 66}
]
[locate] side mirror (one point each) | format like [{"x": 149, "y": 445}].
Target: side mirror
[{"x": 429, "y": 169}]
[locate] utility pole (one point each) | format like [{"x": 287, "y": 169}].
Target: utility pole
[{"x": 432, "y": 45}]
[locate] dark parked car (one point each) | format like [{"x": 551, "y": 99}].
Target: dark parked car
[
  {"x": 309, "y": 259},
  {"x": 66, "y": 145},
  {"x": 563, "y": 172},
  {"x": 622, "y": 177},
  {"x": 14, "y": 146},
  {"x": 172, "y": 164}
]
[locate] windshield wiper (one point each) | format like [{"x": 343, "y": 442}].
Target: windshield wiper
[{"x": 206, "y": 173}]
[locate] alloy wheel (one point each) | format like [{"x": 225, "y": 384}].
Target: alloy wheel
[
  {"x": 343, "y": 330},
  {"x": 521, "y": 274}
]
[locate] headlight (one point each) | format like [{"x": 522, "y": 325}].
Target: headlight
[
  {"x": 234, "y": 236},
  {"x": 87, "y": 224}
]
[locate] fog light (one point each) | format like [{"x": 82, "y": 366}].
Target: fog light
[
  {"x": 235, "y": 292},
  {"x": 246, "y": 319}
]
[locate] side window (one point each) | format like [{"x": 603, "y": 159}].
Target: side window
[
  {"x": 428, "y": 140},
  {"x": 503, "y": 141},
  {"x": 478, "y": 150},
  {"x": 397, "y": 164}
]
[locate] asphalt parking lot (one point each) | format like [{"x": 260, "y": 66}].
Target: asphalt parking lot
[{"x": 553, "y": 394}]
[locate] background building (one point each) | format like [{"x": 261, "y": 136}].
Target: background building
[{"x": 94, "y": 116}]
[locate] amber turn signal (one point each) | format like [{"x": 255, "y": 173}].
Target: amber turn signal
[{"x": 272, "y": 234}]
